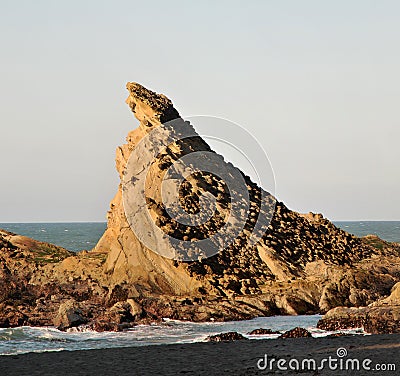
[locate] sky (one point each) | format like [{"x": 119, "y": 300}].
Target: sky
[{"x": 316, "y": 83}]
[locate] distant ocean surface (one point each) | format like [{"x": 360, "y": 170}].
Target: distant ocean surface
[
  {"x": 386, "y": 230},
  {"x": 79, "y": 236},
  {"x": 72, "y": 236}
]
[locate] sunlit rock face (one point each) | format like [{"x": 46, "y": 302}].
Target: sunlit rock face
[
  {"x": 172, "y": 260},
  {"x": 190, "y": 237}
]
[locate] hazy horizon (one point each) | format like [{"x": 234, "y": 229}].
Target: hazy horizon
[{"x": 316, "y": 83}]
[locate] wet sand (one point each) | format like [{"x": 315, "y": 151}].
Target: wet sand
[{"x": 231, "y": 358}]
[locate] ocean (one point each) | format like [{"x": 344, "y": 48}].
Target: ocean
[
  {"x": 72, "y": 236},
  {"x": 79, "y": 236},
  {"x": 386, "y": 230}
]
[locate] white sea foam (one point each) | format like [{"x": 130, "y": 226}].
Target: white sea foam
[{"x": 32, "y": 339}]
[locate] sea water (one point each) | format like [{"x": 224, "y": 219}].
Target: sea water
[{"x": 28, "y": 339}]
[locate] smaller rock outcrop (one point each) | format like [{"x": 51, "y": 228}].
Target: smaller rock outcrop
[
  {"x": 382, "y": 316},
  {"x": 120, "y": 316},
  {"x": 296, "y": 333},
  {"x": 262, "y": 331},
  {"x": 69, "y": 315},
  {"x": 226, "y": 337}
]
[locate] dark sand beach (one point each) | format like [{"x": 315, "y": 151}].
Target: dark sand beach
[{"x": 229, "y": 358}]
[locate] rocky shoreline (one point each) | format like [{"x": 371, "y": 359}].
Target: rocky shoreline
[
  {"x": 302, "y": 264},
  {"x": 68, "y": 300}
]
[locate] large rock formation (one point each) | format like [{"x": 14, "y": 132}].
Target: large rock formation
[
  {"x": 304, "y": 255},
  {"x": 300, "y": 263}
]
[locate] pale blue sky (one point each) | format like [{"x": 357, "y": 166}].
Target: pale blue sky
[{"x": 317, "y": 82}]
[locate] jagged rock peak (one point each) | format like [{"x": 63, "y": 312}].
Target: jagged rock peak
[{"x": 147, "y": 105}]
